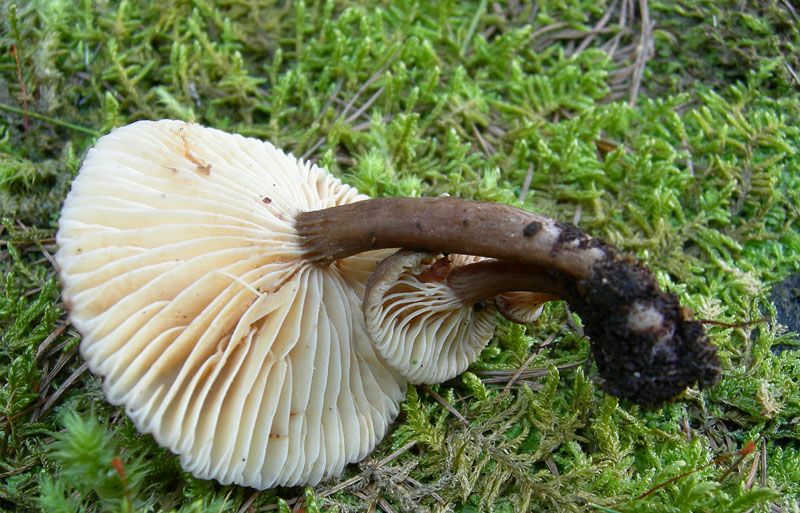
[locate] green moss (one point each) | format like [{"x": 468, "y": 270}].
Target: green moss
[
  {"x": 698, "y": 177},
  {"x": 718, "y": 43}
]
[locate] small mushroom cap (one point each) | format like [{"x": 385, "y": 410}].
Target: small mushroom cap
[
  {"x": 182, "y": 270},
  {"x": 419, "y": 325},
  {"x": 522, "y": 307}
]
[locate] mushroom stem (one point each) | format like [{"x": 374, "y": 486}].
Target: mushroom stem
[
  {"x": 647, "y": 348},
  {"x": 489, "y": 278},
  {"x": 448, "y": 225}
]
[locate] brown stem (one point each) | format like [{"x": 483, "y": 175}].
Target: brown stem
[
  {"x": 489, "y": 278},
  {"x": 448, "y": 225}
]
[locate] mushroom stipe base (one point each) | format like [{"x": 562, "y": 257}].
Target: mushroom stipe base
[{"x": 646, "y": 346}]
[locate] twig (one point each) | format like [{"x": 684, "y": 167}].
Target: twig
[
  {"x": 602, "y": 508},
  {"x": 449, "y": 407},
  {"x": 368, "y": 82},
  {"x": 533, "y": 355},
  {"x": 313, "y": 148},
  {"x": 25, "y": 242},
  {"x": 551, "y": 465},
  {"x": 747, "y": 449},
  {"x": 297, "y": 505},
  {"x": 21, "y": 469},
  {"x": 623, "y": 15},
  {"x": 366, "y": 124},
  {"x": 526, "y": 184},
  {"x": 48, "y": 256},
  {"x": 329, "y": 101},
  {"x": 58, "y": 347},
  {"x": 60, "y": 363},
  {"x": 735, "y": 324},
  {"x": 751, "y": 476},
  {"x": 791, "y": 71},
  {"x": 355, "y": 479},
  {"x": 395, "y": 454},
  {"x": 35, "y": 115},
  {"x": 364, "y": 107},
  {"x": 49, "y": 340},
  {"x": 599, "y": 26},
  {"x": 21, "y": 85},
  {"x": 526, "y": 374},
  {"x": 387, "y": 508},
  {"x": 63, "y": 388},
  {"x": 643, "y": 53},
  {"x": 249, "y": 502},
  {"x": 224, "y": 501},
  {"x": 419, "y": 485},
  {"x": 549, "y": 28},
  {"x": 791, "y": 9},
  {"x": 686, "y": 430},
  {"x": 488, "y": 149}
]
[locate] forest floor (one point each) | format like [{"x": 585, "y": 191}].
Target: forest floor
[{"x": 669, "y": 128}]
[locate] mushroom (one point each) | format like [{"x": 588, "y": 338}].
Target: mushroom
[
  {"x": 218, "y": 285},
  {"x": 183, "y": 271},
  {"x": 422, "y": 327},
  {"x": 430, "y": 315},
  {"x": 647, "y": 347}
]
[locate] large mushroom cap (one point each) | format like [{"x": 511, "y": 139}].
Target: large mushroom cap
[
  {"x": 182, "y": 270},
  {"x": 420, "y": 325}
]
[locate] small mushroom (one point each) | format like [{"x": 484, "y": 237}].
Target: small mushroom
[
  {"x": 423, "y": 327},
  {"x": 183, "y": 271},
  {"x": 430, "y": 315}
]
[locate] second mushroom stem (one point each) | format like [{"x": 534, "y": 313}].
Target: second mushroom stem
[{"x": 489, "y": 278}]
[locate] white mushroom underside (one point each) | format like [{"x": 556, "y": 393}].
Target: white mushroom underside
[
  {"x": 522, "y": 307},
  {"x": 182, "y": 272},
  {"x": 422, "y": 328}
]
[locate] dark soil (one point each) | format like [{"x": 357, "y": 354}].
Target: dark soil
[{"x": 645, "y": 367}]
